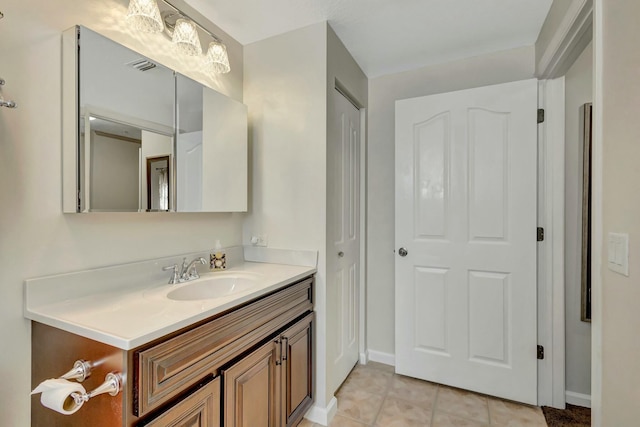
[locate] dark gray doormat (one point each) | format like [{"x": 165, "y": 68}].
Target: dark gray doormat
[{"x": 573, "y": 416}]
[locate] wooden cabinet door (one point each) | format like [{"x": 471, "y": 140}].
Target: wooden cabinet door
[
  {"x": 199, "y": 409},
  {"x": 297, "y": 370},
  {"x": 252, "y": 389}
]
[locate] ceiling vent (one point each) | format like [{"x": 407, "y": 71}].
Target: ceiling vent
[{"x": 142, "y": 64}]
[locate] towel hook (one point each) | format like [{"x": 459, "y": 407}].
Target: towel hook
[
  {"x": 8, "y": 104},
  {"x": 3, "y": 103}
]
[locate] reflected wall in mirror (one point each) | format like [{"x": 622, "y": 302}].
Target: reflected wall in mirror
[
  {"x": 122, "y": 112},
  {"x": 114, "y": 166},
  {"x": 211, "y": 150}
]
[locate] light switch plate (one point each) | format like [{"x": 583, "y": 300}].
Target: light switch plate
[{"x": 618, "y": 256}]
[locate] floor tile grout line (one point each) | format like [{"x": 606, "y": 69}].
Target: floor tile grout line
[{"x": 384, "y": 399}]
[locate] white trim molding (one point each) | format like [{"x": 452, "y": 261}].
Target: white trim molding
[
  {"x": 380, "y": 357},
  {"x": 578, "y": 399},
  {"x": 596, "y": 219},
  {"x": 570, "y": 39},
  {"x": 323, "y": 416}
]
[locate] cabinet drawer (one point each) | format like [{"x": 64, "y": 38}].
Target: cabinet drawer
[
  {"x": 171, "y": 367},
  {"x": 199, "y": 409}
]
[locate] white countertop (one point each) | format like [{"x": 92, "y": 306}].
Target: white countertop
[{"x": 128, "y": 314}]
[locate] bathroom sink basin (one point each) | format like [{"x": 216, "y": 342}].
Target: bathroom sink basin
[{"x": 217, "y": 286}]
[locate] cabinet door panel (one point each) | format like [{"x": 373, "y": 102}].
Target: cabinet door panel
[
  {"x": 297, "y": 370},
  {"x": 200, "y": 409},
  {"x": 251, "y": 389}
]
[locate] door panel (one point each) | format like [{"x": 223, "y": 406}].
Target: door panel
[
  {"x": 343, "y": 225},
  {"x": 466, "y": 214},
  {"x": 297, "y": 367},
  {"x": 251, "y": 390}
]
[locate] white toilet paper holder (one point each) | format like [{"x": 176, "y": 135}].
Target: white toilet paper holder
[
  {"x": 112, "y": 384},
  {"x": 81, "y": 371}
]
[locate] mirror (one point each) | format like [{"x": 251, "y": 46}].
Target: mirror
[
  {"x": 586, "y": 113},
  {"x": 139, "y": 137},
  {"x": 206, "y": 180}
]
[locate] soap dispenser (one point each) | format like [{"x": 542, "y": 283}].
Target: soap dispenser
[{"x": 217, "y": 258}]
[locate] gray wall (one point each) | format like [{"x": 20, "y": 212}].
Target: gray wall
[
  {"x": 617, "y": 30},
  {"x": 578, "y": 90},
  {"x": 551, "y": 24},
  {"x": 501, "y": 67}
]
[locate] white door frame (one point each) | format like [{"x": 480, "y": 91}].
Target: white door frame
[
  {"x": 551, "y": 317},
  {"x": 362, "y": 333}
]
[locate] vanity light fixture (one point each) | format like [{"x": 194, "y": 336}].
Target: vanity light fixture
[
  {"x": 144, "y": 15},
  {"x": 217, "y": 59},
  {"x": 185, "y": 37}
]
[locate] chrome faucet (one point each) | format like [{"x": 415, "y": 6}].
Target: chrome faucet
[
  {"x": 174, "y": 273},
  {"x": 186, "y": 273},
  {"x": 189, "y": 271}
]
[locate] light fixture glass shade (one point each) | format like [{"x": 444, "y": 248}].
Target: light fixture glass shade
[
  {"x": 185, "y": 37},
  {"x": 144, "y": 15},
  {"x": 217, "y": 59}
]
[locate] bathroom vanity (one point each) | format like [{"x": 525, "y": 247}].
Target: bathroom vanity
[{"x": 242, "y": 359}]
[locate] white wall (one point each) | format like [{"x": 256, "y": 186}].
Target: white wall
[
  {"x": 617, "y": 29},
  {"x": 115, "y": 173},
  {"x": 36, "y": 239},
  {"x": 578, "y": 91},
  {"x": 285, "y": 88},
  {"x": 501, "y": 67}
]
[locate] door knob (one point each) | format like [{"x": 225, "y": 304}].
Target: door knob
[
  {"x": 340, "y": 254},
  {"x": 402, "y": 252}
]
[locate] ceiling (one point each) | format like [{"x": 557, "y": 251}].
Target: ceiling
[{"x": 388, "y": 36}]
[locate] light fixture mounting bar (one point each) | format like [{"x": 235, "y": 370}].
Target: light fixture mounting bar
[{"x": 213, "y": 36}]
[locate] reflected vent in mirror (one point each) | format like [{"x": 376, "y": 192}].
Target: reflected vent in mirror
[{"x": 141, "y": 64}]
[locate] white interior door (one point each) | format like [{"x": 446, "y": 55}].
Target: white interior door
[
  {"x": 466, "y": 222},
  {"x": 343, "y": 238}
]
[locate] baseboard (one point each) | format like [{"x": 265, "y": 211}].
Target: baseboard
[
  {"x": 380, "y": 357},
  {"x": 323, "y": 416},
  {"x": 364, "y": 358},
  {"x": 578, "y": 399}
]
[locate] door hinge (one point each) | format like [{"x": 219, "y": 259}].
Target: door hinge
[
  {"x": 540, "y": 237},
  {"x": 540, "y": 115},
  {"x": 540, "y": 352}
]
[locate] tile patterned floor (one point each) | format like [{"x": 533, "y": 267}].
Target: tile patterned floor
[{"x": 373, "y": 396}]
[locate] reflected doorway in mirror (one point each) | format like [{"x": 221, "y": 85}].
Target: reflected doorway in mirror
[{"x": 158, "y": 183}]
